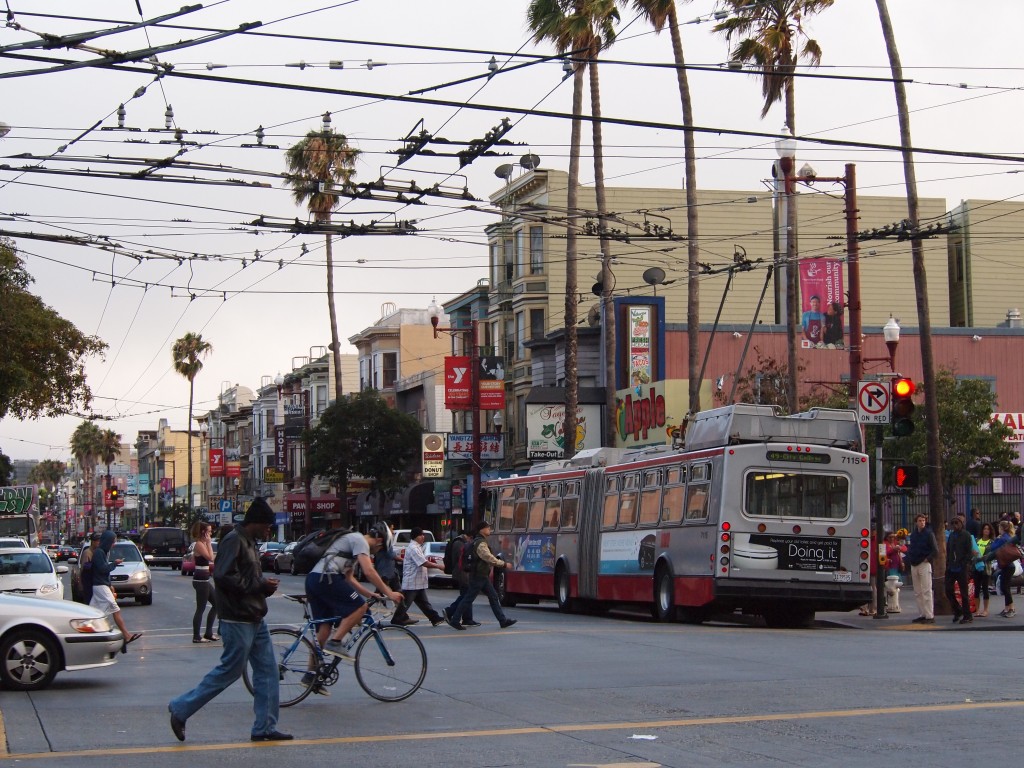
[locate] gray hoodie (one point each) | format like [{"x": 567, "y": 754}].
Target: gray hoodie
[{"x": 101, "y": 563}]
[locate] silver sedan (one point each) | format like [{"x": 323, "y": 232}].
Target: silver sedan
[{"x": 39, "y": 638}]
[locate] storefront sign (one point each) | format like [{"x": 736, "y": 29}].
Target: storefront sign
[
  {"x": 460, "y": 446},
  {"x": 1014, "y": 421},
  {"x": 546, "y": 423}
]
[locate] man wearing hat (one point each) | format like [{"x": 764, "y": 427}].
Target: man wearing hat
[
  {"x": 241, "y": 594},
  {"x": 415, "y": 580},
  {"x": 480, "y": 581}
]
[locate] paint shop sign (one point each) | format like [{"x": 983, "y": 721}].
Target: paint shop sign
[{"x": 802, "y": 553}]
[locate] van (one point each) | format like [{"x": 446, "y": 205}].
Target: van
[
  {"x": 402, "y": 539},
  {"x": 165, "y": 545}
]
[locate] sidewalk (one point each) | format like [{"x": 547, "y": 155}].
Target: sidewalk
[{"x": 904, "y": 621}]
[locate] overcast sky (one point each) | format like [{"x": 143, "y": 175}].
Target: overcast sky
[{"x": 259, "y": 315}]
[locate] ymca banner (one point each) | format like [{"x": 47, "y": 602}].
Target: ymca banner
[
  {"x": 216, "y": 462},
  {"x": 458, "y": 392},
  {"x": 822, "y": 304}
]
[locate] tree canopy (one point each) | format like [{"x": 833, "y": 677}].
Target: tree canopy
[
  {"x": 42, "y": 370},
  {"x": 360, "y": 435}
]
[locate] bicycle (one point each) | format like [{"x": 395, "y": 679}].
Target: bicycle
[{"x": 390, "y": 662}]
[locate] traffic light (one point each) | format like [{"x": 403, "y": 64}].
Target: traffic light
[
  {"x": 902, "y": 409},
  {"x": 114, "y": 494},
  {"x": 905, "y": 476}
]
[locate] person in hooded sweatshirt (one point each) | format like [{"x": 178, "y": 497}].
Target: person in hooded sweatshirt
[{"x": 103, "y": 597}]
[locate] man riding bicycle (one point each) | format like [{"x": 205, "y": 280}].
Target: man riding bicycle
[{"x": 334, "y": 591}]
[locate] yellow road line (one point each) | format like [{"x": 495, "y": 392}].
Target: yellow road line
[{"x": 534, "y": 730}]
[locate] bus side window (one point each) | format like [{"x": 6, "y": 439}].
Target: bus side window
[
  {"x": 519, "y": 512},
  {"x": 697, "y": 493},
  {"x": 672, "y": 500},
  {"x": 505, "y": 509},
  {"x": 611, "y": 502},
  {"x": 536, "y": 520},
  {"x": 650, "y": 498},
  {"x": 570, "y": 505},
  {"x": 552, "y": 509},
  {"x": 629, "y": 501}
]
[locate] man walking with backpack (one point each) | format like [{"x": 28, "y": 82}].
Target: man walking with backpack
[
  {"x": 481, "y": 560},
  {"x": 460, "y": 548}
]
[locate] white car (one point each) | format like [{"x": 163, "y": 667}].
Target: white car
[
  {"x": 39, "y": 638},
  {"x": 13, "y": 541},
  {"x": 31, "y": 572}
]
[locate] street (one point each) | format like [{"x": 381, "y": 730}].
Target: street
[{"x": 557, "y": 690}]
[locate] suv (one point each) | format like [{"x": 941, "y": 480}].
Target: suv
[{"x": 164, "y": 546}]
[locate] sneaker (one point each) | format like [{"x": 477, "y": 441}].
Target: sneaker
[
  {"x": 927, "y": 621},
  {"x": 1008, "y": 613},
  {"x": 308, "y": 679},
  {"x": 452, "y": 624},
  {"x": 438, "y": 621},
  {"x": 471, "y": 623},
  {"x": 338, "y": 648},
  {"x": 507, "y": 623},
  {"x": 918, "y": 620}
]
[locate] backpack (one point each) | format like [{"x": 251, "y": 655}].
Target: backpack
[
  {"x": 311, "y": 547},
  {"x": 449, "y": 555},
  {"x": 469, "y": 559}
]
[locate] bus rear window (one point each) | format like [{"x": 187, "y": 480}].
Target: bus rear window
[{"x": 784, "y": 494}]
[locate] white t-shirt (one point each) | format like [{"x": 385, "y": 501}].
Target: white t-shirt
[{"x": 341, "y": 555}]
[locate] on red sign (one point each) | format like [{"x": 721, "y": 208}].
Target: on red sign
[{"x": 216, "y": 462}]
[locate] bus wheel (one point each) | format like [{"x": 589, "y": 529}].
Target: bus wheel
[
  {"x": 664, "y": 608},
  {"x": 563, "y": 594},
  {"x": 501, "y": 587}
]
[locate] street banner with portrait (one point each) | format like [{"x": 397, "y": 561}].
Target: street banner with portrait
[
  {"x": 492, "y": 383},
  {"x": 822, "y": 304}
]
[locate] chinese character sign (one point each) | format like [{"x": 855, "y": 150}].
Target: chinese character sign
[{"x": 821, "y": 291}]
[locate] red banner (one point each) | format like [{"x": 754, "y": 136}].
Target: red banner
[
  {"x": 458, "y": 394},
  {"x": 216, "y": 462},
  {"x": 234, "y": 469}
]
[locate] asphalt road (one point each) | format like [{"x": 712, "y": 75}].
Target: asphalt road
[{"x": 557, "y": 690}]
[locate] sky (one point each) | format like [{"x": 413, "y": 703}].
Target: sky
[{"x": 158, "y": 257}]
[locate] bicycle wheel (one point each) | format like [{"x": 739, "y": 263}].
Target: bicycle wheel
[
  {"x": 293, "y": 651},
  {"x": 390, "y": 663}
]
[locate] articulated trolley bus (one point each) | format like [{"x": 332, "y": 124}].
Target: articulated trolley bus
[{"x": 758, "y": 512}]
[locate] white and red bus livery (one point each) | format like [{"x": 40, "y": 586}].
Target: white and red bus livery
[{"x": 757, "y": 512}]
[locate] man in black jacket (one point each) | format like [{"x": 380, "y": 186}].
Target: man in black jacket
[
  {"x": 241, "y": 594},
  {"x": 959, "y": 561}
]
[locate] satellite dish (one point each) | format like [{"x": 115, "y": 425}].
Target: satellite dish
[
  {"x": 594, "y": 316},
  {"x": 654, "y": 276},
  {"x": 529, "y": 161},
  {"x": 504, "y": 171}
]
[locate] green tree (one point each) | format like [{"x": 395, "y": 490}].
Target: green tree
[
  {"x": 661, "y": 14},
  {"x": 6, "y": 469},
  {"x": 85, "y": 447},
  {"x": 317, "y": 166},
  {"x": 770, "y": 33},
  {"x": 187, "y": 353},
  {"x": 972, "y": 445},
  {"x": 109, "y": 447},
  {"x": 362, "y": 436},
  {"x": 42, "y": 370},
  {"x": 583, "y": 27},
  {"x": 933, "y": 443}
]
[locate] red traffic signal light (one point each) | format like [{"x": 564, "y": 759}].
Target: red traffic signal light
[
  {"x": 114, "y": 494},
  {"x": 905, "y": 476},
  {"x": 902, "y": 408}
]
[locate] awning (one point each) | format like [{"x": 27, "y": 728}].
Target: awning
[{"x": 556, "y": 395}]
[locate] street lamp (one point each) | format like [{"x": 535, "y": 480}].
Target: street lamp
[
  {"x": 156, "y": 486},
  {"x": 279, "y": 381},
  {"x": 786, "y": 149},
  {"x": 474, "y": 389}
]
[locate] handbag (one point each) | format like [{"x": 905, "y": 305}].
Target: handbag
[{"x": 1007, "y": 554}]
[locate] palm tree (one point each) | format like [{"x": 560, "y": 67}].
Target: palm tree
[
  {"x": 931, "y": 404},
  {"x": 584, "y": 26},
  {"x": 188, "y": 352},
  {"x": 108, "y": 448},
  {"x": 660, "y": 13},
  {"x": 85, "y": 442},
  {"x": 317, "y": 166},
  {"x": 47, "y": 474},
  {"x": 770, "y": 36}
]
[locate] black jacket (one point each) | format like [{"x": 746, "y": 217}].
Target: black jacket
[
  {"x": 238, "y": 579},
  {"x": 959, "y": 551}
]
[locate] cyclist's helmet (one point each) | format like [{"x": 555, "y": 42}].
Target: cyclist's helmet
[{"x": 380, "y": 531}]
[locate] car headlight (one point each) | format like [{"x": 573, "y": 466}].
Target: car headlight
[
  {"x": 91, "y": 626},
  {"x": 139, "y": 576},
  {"x": 49, "y": 589}
]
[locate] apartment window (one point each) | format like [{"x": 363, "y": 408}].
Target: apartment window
[
  {"x": 495, "y": 264},
  {"x": 536, "y": 250},
  {"x": 520, "y": 253},
  {"x": 520, "y": 335},
  {"x": 390, "y": 361},
  {"x": 510, "y": 259},
  {"x": 536, "y": 323},
  {"x": 271, "y": 420},
  {"x": 958, "y": 254},
  {"x": 321, "y": 398}
]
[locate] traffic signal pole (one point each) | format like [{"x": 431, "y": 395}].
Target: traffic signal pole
[{"x": 880, "y": 611}]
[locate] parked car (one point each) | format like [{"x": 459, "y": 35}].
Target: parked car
[
  {"x": 39, "y": 638},
  {"x": 269, "y": 550},
  {"x": 285, "y": 558},
  {"x": 188, "y": 562},
  {"x": 132, "y": 578},
  {"x": 13, "y": 541},
  {"x": 52, "y": 550},
  {"x": 166, "y": 546},
  {"x": 434, "y": 551},
  {"x": 402, "y": 540},
  {"x": 31, "y": 573}
]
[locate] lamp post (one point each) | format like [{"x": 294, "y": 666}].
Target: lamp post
[
  {"x": 204, "y": 431},
  {"x": 786, "y": 149},
  {"x": 279, "y": 380},
  {"x": 155, "y": 511},
  {"x": 474, "y": 383}
]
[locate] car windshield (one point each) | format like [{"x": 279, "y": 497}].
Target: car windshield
[
  {"x": 25, "y": 562},
  {"x": 126, "y": 551},
  {"x": 272, "y": 545}
]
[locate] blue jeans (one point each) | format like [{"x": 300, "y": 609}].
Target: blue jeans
[
  {"x": 467, "y": 615},
  {"x": 243, "y": 643},
  {"x": 478, "y": 584}
]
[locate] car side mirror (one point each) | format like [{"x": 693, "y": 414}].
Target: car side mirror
[
  {"x": 148, "y": 558},
  {"x": 62, "y": 569},
  {"x": 73, "y": 560}
]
